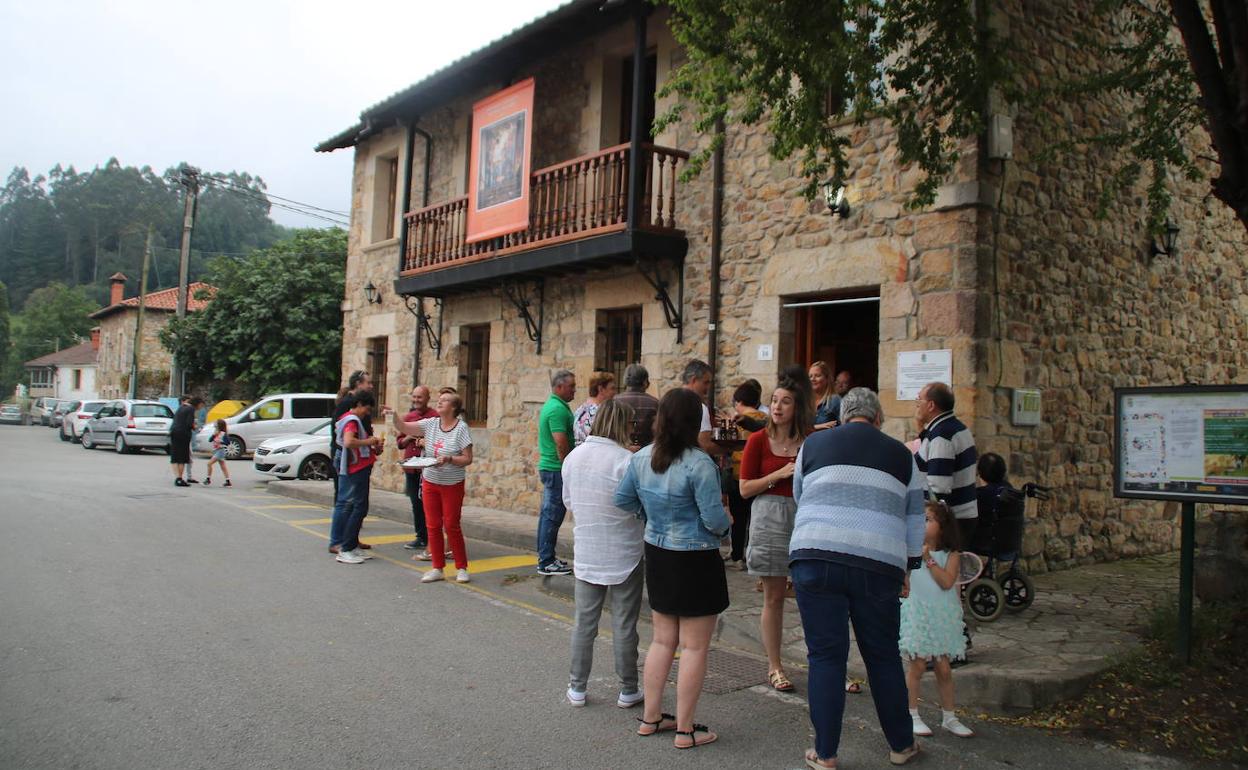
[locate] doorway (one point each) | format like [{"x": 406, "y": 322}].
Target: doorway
[{"x": 842, "y": 330}]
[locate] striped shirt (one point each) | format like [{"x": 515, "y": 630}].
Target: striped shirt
[
  {"x": 947, "y": 456},
  {"x": 442, "y": 443},
  {"x": 859, "y": 500}
]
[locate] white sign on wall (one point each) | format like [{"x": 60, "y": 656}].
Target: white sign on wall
[{"x": 916, "y": 368}]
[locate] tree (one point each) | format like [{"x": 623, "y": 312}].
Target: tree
[
  {"x": 275, "y": 322},
  {"x": 931, "y": 66},
  {"x": 53, "y": 317},
  {"x": 6, "y": 384}
]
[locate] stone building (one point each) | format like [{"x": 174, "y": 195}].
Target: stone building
[
  {"x": 1010, "y": 270},
  {"x": 118, "y": 323}
]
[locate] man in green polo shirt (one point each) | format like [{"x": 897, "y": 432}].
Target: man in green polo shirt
[{"x": 554, "y": 442}]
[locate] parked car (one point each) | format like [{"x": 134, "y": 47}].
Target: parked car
[
  {"x": 41, "y": 409},
  {"x": 129, "y": 426},
  {"x": 58, "y": 414},
  {"x": 75, "y": 421},
  {"x": 272, "y": 416},
  {"x": 299, "y": 456},
  {"x": 11, "y": 414},
  {"x": 223, "y": 410}
]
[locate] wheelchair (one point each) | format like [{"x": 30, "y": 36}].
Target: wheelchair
[{"x": 1002, "y": 585}]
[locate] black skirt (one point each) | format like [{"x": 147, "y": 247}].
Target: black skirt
[
  {"x": 179, "y": 449},
  {"x": 686, "y": 583}
]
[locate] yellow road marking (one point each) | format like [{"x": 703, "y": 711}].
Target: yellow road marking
[
  {"x": 286, "y": 507},
  {"x": 501, "y": 562},
  {"x": 387, "y": 539},
  {"x": 302, "y": 522}
]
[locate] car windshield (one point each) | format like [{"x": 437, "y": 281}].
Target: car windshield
[
  {"x": 322, "y": 429},
  {"x": 8, "y": 408},
  {"x": 93, "y": 406},
  {"x": 151, "y": 410}
]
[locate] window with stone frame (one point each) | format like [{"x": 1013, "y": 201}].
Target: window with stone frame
[
  {"x": 385, "y": 197},
  {"x": 618, "y": 341},
  {"x": 474, "y": 372},
  {"x": 376, "y": 366}
]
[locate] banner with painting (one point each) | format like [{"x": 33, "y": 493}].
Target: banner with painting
[{"x": 498, "y": 195}]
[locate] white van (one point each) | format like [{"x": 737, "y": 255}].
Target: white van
[{"x": 271, "y": 416}]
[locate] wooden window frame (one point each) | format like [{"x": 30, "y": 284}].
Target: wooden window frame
[{"x": 474, "y": 344}]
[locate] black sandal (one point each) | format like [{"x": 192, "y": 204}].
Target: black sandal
[
  {"x": 658, "y": 726},
  {"x": 697, "y": 728}
]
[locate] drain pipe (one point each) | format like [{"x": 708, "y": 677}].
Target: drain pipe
[
  {"x": 412, "y": 130},
  {"x": 717, "y": 226}
]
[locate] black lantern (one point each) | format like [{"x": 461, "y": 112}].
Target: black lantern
[
  {"x": 1169, "y": 241},
  {"x": 834, "y": 196},
  {"x": 373, "y": 294}
]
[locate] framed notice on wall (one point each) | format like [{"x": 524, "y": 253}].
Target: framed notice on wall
[
  {"x": 916, "y": 368},
  {"x": 1186, "y": 443},
  {"x": 498, "y": 189}
]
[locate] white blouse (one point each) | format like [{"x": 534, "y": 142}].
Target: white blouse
[
  {"x": 440, "y": 443},
  {"x": 608, "y": 540}
]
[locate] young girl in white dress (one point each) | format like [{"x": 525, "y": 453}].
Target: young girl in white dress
[{"x": 931, "y": 618}]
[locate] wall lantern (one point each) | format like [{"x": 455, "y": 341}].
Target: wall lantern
[
  {"x": 1169, "y": 241},
  {"x": 373, "y": 294},
  {"x": 834, "y": 196}
]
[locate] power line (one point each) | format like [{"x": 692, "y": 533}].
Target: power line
[
  {"x": 226, "y": 181},
  {"x": 263, "y": 199}
]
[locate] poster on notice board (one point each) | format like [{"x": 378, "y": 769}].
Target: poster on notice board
[{"x": 502, "y": 145}]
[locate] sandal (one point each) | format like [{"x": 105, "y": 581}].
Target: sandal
[
  {"x": 779, "y": 681},
  {"x": 692, "y": 734},
  {"x": 815, "y": 763},
  {"x": 658, "y": 726},
  {"x": 852, "y": 687}
]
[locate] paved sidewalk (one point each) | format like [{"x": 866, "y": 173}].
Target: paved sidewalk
[{"x": 1020, "y": 662}]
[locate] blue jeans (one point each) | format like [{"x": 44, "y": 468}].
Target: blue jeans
[
  {"x": 829, "y": 595},
  {"x": 350, "y": 508},
  {"x": 551, "y": 516}
]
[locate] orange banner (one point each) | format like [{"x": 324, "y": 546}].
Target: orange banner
[{"x": 502, "y": 144}]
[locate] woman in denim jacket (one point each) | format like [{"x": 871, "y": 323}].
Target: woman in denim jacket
[{"x": 674, "y": 486}]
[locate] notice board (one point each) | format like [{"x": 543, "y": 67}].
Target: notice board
[{"x": 1187, "y": 443}]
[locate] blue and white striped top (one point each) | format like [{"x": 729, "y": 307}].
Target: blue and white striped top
[
  {"x": 859, "y": 500},
  {"x": 947, "y": 457}
]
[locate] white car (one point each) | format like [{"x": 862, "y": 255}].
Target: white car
[
  {"x": 297, "y": 456},
  {"x": 75, "y": 421},
  {"x": 272, "y": 416}
]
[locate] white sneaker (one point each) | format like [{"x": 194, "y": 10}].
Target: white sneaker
[
  {"x": 629, "y": 699},
  {"x": 350, "y": 557},
  {"x": 432, "y": 576},
  {"x": 955, "y": 726},
  {"x": 461, "y": 576},
  {"x": 360, "y": 552},
  {"x": 576, "y": 698},
  {"x": 920, "y": 727}
]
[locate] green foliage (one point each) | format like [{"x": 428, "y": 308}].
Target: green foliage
[
  {"x": 6, "y": 384},
  {"x": 807, "y": 67},
  {"x": 275, "y": 321},
  {"x": 80, "y": 228},
  {"x": 53, "y": 317}
]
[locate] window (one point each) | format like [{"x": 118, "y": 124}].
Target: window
[
  {"x": 77, "y": 379},
  {"x": 647, "y": 98},
  {"x": 151, "y": 410},
  {"x": 474, "y": 372},
  {"x": 311, "y": 408},
  {"x": 619, "y": 341},
  {"x": 392, "y": 202},
  {"x": 385, "y": 197},
  {"x": 40, "y": 378},
  {"x": 376, "y": 366},
  {"x": 269, "y": 410}
]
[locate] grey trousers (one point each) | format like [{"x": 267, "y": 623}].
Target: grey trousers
[{"x": 625, "y": 606}]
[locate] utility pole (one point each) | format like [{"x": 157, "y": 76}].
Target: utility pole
[
  {"x": 189, "y": 180},
  {"x": 138, "y": 324}
]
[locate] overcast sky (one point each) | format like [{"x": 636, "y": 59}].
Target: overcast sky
[{"x": 245, "y": 85}]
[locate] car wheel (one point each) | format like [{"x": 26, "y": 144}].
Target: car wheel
[
  {"x": 236, "y": 449},
  {"x": 64, "y": 437},
  {"x": 315, "y": 468},
  {"x": 120, "y": 445},
  {"x": 87, "y": 441}
]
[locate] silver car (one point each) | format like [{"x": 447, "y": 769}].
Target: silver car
[{"x": 129, "y": 426}]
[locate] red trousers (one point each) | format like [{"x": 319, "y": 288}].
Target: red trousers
[{"x": 444, "y": 504}]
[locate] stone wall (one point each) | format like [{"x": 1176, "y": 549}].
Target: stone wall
[
  {"x": 117, "y": 351},
  {"x": 1083, "y": 308}
]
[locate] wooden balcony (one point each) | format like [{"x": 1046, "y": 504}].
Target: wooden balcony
[{"x": 573, "y": 207}]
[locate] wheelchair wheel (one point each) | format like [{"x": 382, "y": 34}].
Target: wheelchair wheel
[
  {"x": 985, "y": 600},
  {"x": 1019, "y": 590}
]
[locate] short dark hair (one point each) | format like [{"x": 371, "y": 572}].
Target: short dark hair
[
  {"x": 941, "y": 395},
  {"x": 195, "y": 401},
  {"x": 695, "y": 369},
  {"x": 364, "y": 399},
  {"x": 991, "y": 468},
  {"x": 354, "y": 380},
  {"x": 749, "y": 393}
]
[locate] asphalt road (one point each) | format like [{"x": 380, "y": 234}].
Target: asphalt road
[{"x": 146, "y": 626}]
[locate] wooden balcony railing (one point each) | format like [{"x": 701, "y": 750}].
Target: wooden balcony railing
[{"x": 576, "y": 199}]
